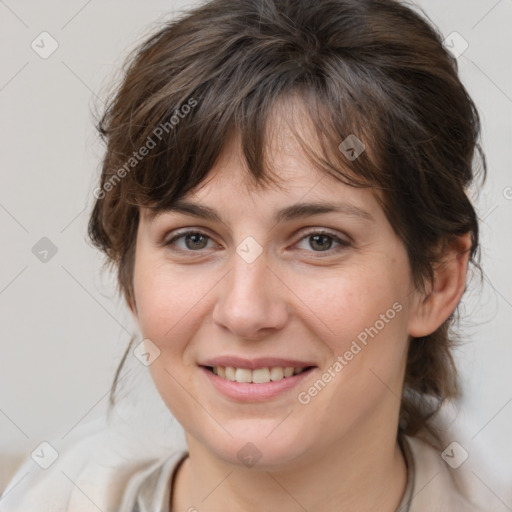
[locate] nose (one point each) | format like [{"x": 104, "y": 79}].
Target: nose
[{"x": 252, "y": 300}]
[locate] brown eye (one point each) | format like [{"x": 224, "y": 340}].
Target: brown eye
[
  {"x": 322, "y": 241},
  {"x": 194, "y": 241}
]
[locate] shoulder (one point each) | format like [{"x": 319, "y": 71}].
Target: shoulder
[
  {"x": 439, "y": 485},
  {"x": 96, "y": 468}
]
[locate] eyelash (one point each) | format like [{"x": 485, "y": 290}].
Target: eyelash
[{"x": 343, "y": 243}]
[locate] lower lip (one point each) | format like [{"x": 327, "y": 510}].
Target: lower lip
[{"x": 254, "y": 392}]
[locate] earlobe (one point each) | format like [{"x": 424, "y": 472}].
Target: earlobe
[{"x": 445, "y": 292}]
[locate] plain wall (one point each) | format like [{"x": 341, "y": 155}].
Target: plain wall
[{"x": 62, "y": 328}]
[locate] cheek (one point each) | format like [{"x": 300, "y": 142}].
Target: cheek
[
  {"x": 168, "y": 304},
  {"x": 363, "y": 314},
  {"x": 167, "y": 300},
  {"x": 354, "y": 303}
]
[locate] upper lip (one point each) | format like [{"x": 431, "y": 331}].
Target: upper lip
[{"x": 253, "y": 364}]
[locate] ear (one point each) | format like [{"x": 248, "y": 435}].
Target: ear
[{"x": 442, "y": 297}]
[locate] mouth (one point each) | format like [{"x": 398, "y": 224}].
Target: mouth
[
  {"x": 258, "y": 375},
  {"x": 257, "y": 384}
]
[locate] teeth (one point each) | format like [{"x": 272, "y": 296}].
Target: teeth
[
  {"x": 276, "y": 373},
  {"x": 288, "y": 371},
  {"x": 258, "y": 376},
  {"x": 243, "y": 375}
]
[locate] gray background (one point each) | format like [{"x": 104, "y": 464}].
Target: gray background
[{"x": 62, "y": 327}]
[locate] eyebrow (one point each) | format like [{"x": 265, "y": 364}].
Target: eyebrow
[{"x": 295, "y": 211}]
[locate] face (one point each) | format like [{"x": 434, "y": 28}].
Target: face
[{"x": 314, "y": 309}]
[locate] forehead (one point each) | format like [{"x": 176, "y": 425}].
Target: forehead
[
  {"x": 297, "y": 187},
  {"x": 228, "y": 193},
  {"x": 296, "y": 176}
]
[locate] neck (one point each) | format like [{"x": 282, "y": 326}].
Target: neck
[{"x": 364, "y": 471}]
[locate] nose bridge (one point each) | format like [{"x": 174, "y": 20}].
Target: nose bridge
[{"x": 249, "y": 302}]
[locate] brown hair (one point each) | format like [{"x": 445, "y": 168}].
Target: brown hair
[{"x": 373, "y": 68}]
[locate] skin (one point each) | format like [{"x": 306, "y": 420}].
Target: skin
[{"x": 339, "y": 451}]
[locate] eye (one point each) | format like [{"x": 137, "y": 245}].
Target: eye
[
  {"x": 322, "y": 241},
  {"x": 195, "y": 241}
]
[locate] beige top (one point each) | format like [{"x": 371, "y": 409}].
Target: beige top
[{"x": 96, "y": 473}]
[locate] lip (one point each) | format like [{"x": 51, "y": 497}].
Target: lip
[
  {"x": 254, "y": 392},
  {"x": 253, "y": 364}
]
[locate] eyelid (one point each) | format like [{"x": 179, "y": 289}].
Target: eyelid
[
  {"x": 344, "y": 240},
  {"x": 343, "y": 243},
  {"x": 182, "y": 233}
]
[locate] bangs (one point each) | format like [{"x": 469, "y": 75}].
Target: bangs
[
  {"x": 185, "y": 132},
  {"x": 362, "y": 103}
]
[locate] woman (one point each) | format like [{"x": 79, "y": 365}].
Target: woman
[{"x": 283, "y": 197}]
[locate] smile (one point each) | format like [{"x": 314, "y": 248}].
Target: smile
[
  {"x": 256, "y": 376},
  {"x": 259, "y": 384}
]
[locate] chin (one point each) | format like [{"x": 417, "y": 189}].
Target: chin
[{"x": 256, "y": 446}]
